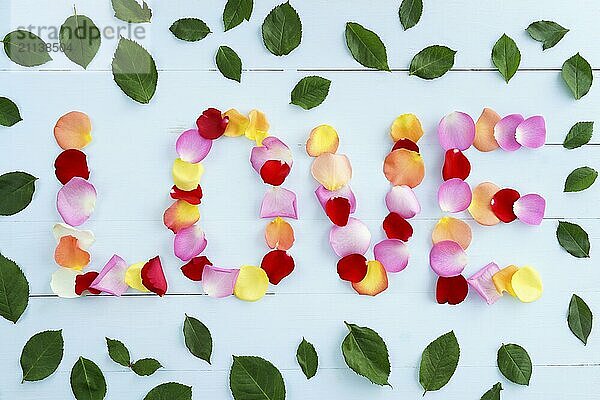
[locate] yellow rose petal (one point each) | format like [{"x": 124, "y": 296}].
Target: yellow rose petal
[
  {"x": 406, "y": 126},
  {"x": 375, "y": 282},
  {"x": 187, "y": 175},
  {"x": 503, "y": 280},
  {"x": 322, "y": 139},
  {"x": 237, "y": 125},
  {"x": 527, "y": 284},
  {"x": 258, "y": 126},
  {"x": 133, "y": 277},
  {"x": 251, "y": 284}
]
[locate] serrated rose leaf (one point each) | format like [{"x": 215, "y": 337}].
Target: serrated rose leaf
[
  {"x": 366, "y": 47},
  {"x": 506, "y": 57},
  {"x": 549, "y": 33},
  {"x": 9, "y": 112},
  {"x": 432, "y": 62},
  {"x": 579, "y": 134},
  {"x": 307, "y": 358},
  {"x": 16, "y": 192},
  {"x": 515, "y": 364},
  {"x": 132, "y": 11},
  {"x": 310, "y": 92},
  {"x": 580, "y": 318},
  {"x": 366, "y": 353},
  {"x": 573, "y": 239},
  {"x": 197, "y": 338},
  {"x": 190, "y": 29},
  {"x": 80, "y": 38},
  {"x": 146, "y": 366},
  {"x": 255, "y": 378},
  {"x": 42, "y": 355},
  {"x": 493, "y": 393},
  {"x": 235, "y": 12},
  {"x": 14, "y": 290},
  {"x": 282, "y": 30},
  {"x": 118, "y": 352},
  {"x": 577, "y": 74},
  {"x": 26, "y": 49},
  {"x": 229, "y": 63},
  {"x": 580, "y": 179},
  {"x": 410, "y": 13},
  {"x": 439, "y": 362},
  {"x": 134, "y": 71},
  {"x": 170, "y": 391},
  {"x": 87, "y": 380}
]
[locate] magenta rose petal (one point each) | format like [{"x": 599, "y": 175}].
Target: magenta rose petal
[
  {"x": 112, "y": 277},
  {"x": 505, "y": 132},
  {"x": 530, "y": 209},
  {"x": 189, "y": 242},
  {"x": 531, "y": 133},
  {"x": 447, "y": 258},
  {"x": 456, "y": 131},
  {"x": 454, "y": 195},
  {"x": 353, "y": 238},
  {"x": 191, "y": 147},
  {"x": 219, "y": 282},
  {"x": 393, "y": 254},
  {"x": 279, "y": 202},
  {"x": 76, "y": 201},
  {"x": 403, "y": 201},
  {"x": 483, "y": 284},
  {"x": 271, "y": 149}
]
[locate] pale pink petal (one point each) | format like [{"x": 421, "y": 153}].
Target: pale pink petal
[
  {"x": 324, "y": 195},
  {"x": 530, "y": 209},
  {"x": 112, "y": 277},
  {"x": 354, "y": 238},
  {"x": 191, "y": 147},
  {"x": 403, "y": 201},
  {"x": 531, "y": 133},
  {"x": 62, "y": 282},
  {"x": 483, "y": 284},
  {"x": 219, "y": 282},
  {"x": 76, "y": 201},
  {"x": 447, "y": 258},
  {"x": 189, "y": 242},
  {"x": 279, "y": 202},
  {"x": 454, "y": 195},
  {"x": 505, "y": 131},
  {"x": 456, "y": 131},
  {"x": 392, "y": 254},
  {"x": 271, "y": 149}
]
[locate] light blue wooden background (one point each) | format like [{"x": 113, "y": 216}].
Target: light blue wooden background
[{"x": 130, "y": 160}]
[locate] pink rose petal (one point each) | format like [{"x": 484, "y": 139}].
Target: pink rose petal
[
  {"x": 219, "y": 282},
  {"x": 76, "y": 201},
  {"x": 456, "y": 131},
  {"x": 192, "y": 147},
  {"x": 505, "y": 131},
  {"x": 447, "y": 258},
  {"x": 112, "y": 277},
  {"x": 279, "y": 202},
  {"x": 531, "y": 133},
  {"x": 454, "y": 195},
  {"x": 403, "y": 201},
  {"x": 530, "y": 209},
  {"x": 483, "y": 284},
  {"x": 324, "y": 195},
  {"x": 271, "y": 149},
  {"x": 189, "y": 242},
  {"x": 354, "y": 238},
  {"x": 392, "y": 254}
]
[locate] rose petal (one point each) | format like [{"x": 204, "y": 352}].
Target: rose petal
[
  {"x": 338, "y": 210},
  {"x": 62, "y": 283},
  {"x": 530, "y": 209},
  {"x": 153, "y": 277},
  {"x": 85, "y": 238},
  {"x": 69, "y": 255},
  {"x": 375, "y": 282},
  {"x": 406, "y": 126},
  {"x": 452, "y": 290},
  {"x": 354, "y": 238},
  {"x": 252, "y": 283},
  {"x": 483, "y": 284},
  {"x": 406, "y": 144},
  {"x": 484, "y": 130},
  {"x": 456, "y": 165},
  {"x": 531, "y": 133},
  {"x": 279, "y": 202},
  {"x": 274, "y": 172},
  {"x": 480, "y": 207},
  {"x": 271, "y": 149},
  {"x": 279, "y": 234},
  {"x": 527, "y": 284},
  {"x": 76, "y": 201},
  {"x": 258, "y": 127},
  {"x": 186, "y": 176},
  {"x": 181, "y": 214},
  {"x": 505, "y": 131},
  {"x": 396, "y": 227},
  {"x": 211, "y": 124},
  {"x": 447, "y": 258},
  {"x": 194, "y": 269},
  {"x": 83, "y": 282},
  {"x": 503, "y": 204},
  {"x": 189, "y": 242},
  {"x": 191, "y": 147},
  {"x": 454, "y": 195},
  {"x": 456, "y": 131},
  {"x": 324, "y": 195},
  {"x": 404, "y": 167},
  {"x": 352, "y": 268},
  {"x": 277, "y": 264},
  {"x": 237, "y": 125},
  {"x": 323, "y": 139},
  {"x": 403, "y": 201},
  {"x": 333, "y": 171},
  {"x": 193, "y": 197},
  {"x": 392, "y": 254},
  {"x": 503, "y": 280},
  {"x": 133, "y": 277},
  {"x": 73, "y": 130},
  {"x": 112, "y": 277},
  {"x": 71, "y": 163},
  {"x": 453, "y": 229},
  {"x": 219, "y": 282}
]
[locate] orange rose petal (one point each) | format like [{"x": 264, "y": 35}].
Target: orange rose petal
[
  {"x": 333, "y": 171},
  {"x": 404, "y": 167},
  {"x": 406, "y": 126},
  {"x": 375, "y": 282},
  {"x": 237, "y": 125},
  {"x": 73, "y": 131},
  {"x": 279, "y": 234},
  {"x": 484, "y": 130},
  {"x": 503, "y": 280},
  {"x": 322, "y": 139},
  {"x": 180, "y": 215},
  {"x": 449, "y": 228},
  {"x": 480, "y": 207},
  {"x": 69, "y": 255}
]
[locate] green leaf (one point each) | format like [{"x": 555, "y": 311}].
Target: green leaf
[
  {"x": 439, "y": 362},
  {"x": 9, "y": 112},
  {"x": 366, "y": 354},
  {"x": 580, "y": 134},
  {"x": 547, "y": 32},
  {"x": 80, "y": 39},
  {"x": 190, "y": 29},
  {"x": 235, "y": 12},
  {"x": 580, "y": 318},
  {"x": 197, "y": 338},
  {"x": 16, "y": 192},
  {"x": 366, "y": 47},
  {"x": 432, "y": 62},
  {"x": 118, "y": 352},
  {"x": 514, "y": 363},
  {"x": 14, "y": 290},
  {"x": 410, "y": 13},
  {"x": 26, "y": 49},
  {"x": 493, "y": 393},
  {"x": 42, "y": 355},
  {"x": 170, "y": 391},
  {"x": 146, "y": 366},
  {"x": 229, "y": 63},
  {"x": 132, "y": 11},
  {"x": 307, "y": 358},
  {"x": 134, "y": 71},
  {"x": 255, "y": 378},
  {"x": 310, "y": 92},
  {"x": 282, "y": 30},
  {"x": 87, "y": 380},
  {"x": 577, "y": 74},
  {"x": 580, "y": 179},
  {"x": 506, "y": 57},
  {"x": 573, "y": 239}
]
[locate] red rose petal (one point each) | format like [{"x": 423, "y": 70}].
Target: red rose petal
[
  {"x": 211, "y": 124},
  {"x": 83, "y": 282},
  {"x": 338, "y": 210},
  {"x": 274, "y": 172},
  {"x": 451, "y": 290},
  {"x": 69, "y": 164},
  {"x": 502, "y": 204},
  {"x": 456, "y": 165},
  {"x": 277, "y": 264},
  {"x": 153, "y": 277},
  {"x": 396, "y": 227},
  {"x": 194, "y": 268},
  {"x": 352, "y": 268},
  {"x": 190, "y": 196},
  {"x": 406, "y": 144}
]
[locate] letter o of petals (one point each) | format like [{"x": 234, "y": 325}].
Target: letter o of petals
[
  {"x": 333, "y": 171},
  {"x": 447, "y": 258},
  {"x": 76, "y": 201},
  {"x": 456, "y": 131},
  {"x": 454, "y": 195},
  {"x": 404, "y": 167},
  {"x": 354, "y": 238}
]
